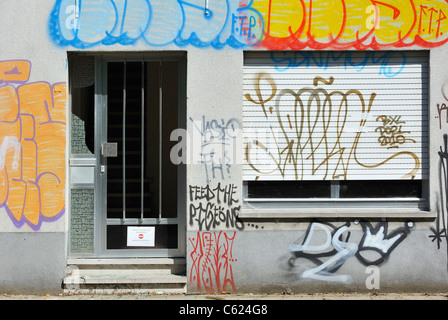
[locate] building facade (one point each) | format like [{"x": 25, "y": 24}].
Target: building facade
[{"x": 245, "y": 146}]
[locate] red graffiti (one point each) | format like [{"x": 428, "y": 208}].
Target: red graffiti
[{"x": 212, "y": 257}]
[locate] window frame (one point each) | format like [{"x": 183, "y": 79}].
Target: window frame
[
  {"x": 334, "y": 207},
  {"x": 420, "y": 203}
]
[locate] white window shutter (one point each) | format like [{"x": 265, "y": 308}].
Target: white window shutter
[{"x": 335, "y": 115}]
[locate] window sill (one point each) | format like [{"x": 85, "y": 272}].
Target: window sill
[
  {"x": 358, "y": 213},
  {"x": 397, "y": 208}
]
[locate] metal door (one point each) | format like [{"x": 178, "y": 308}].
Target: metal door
[{"x": 140, "y": 192}]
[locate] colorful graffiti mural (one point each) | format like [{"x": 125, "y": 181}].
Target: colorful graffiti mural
[
  {"x": 272, "y": 24},
  {"x": 354, "y": 24},
  {"x": 32, "y": 146}
]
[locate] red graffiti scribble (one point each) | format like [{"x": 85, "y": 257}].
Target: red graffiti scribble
[{"x": 212, "y": 258}]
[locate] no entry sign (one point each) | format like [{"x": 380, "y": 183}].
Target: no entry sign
[{"x": 141, "y": 236}]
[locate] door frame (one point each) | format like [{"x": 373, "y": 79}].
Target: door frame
[{"x": 101, "y": 106}]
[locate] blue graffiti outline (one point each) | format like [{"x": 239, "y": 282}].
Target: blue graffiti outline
[
  {"x": 193, "y": 38},
  {"x": 168, "y": 42},
  {"x": 58, "y": 37},
  {"x": 323, "y": 59},
  {"x": 123, "y": 38},
  {"x": 232, "y": 40}
]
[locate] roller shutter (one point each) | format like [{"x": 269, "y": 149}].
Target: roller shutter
[{"x": 335, "y": 115}]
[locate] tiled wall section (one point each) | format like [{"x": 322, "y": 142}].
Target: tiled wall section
[{"x": 82, "y": 204}]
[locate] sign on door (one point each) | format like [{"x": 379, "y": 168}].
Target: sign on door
[{"x": 141, "y": 236}]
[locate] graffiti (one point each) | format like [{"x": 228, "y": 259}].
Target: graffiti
[
  {"x": 440, "y": 108},
  {"x": 342, "y": 250},
  {"x": 218, "y": 146},
  {"x": 390, "y": 132},
  {"x": 272, "y": 24},
  {"x": 32, "y": 146},
  {"x": 156, "y": 22},
  {"x": 285, "y": 60},
  {"x": 433, "y": 14},
  {"x": 10, "y": 142},
  {"x": 211, "y": 207},
  {"x": 328, "y": 248},
  {"x": 311, "y": 137},
  {"x": 14, "y": 71},
  {"x": 212, "y": 261},
  {"x": 354, "y": 24},
  {"x": 440, "y": 231},
  {"x": 378, "y": 239}
]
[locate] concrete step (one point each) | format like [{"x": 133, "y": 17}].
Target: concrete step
[
  {"x": 125, "y": 261},
  {"x": 131, "y": 276},
  {"x": 164, "y": 276}
]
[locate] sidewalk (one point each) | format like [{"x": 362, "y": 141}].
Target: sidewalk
[{"x": 230, "y": 297}]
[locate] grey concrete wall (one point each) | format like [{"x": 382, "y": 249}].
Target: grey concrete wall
[
  {"x": 33, "y": 235},
  {"x": 271, "y": 260},
  {"x": 32, "y": 263}
]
